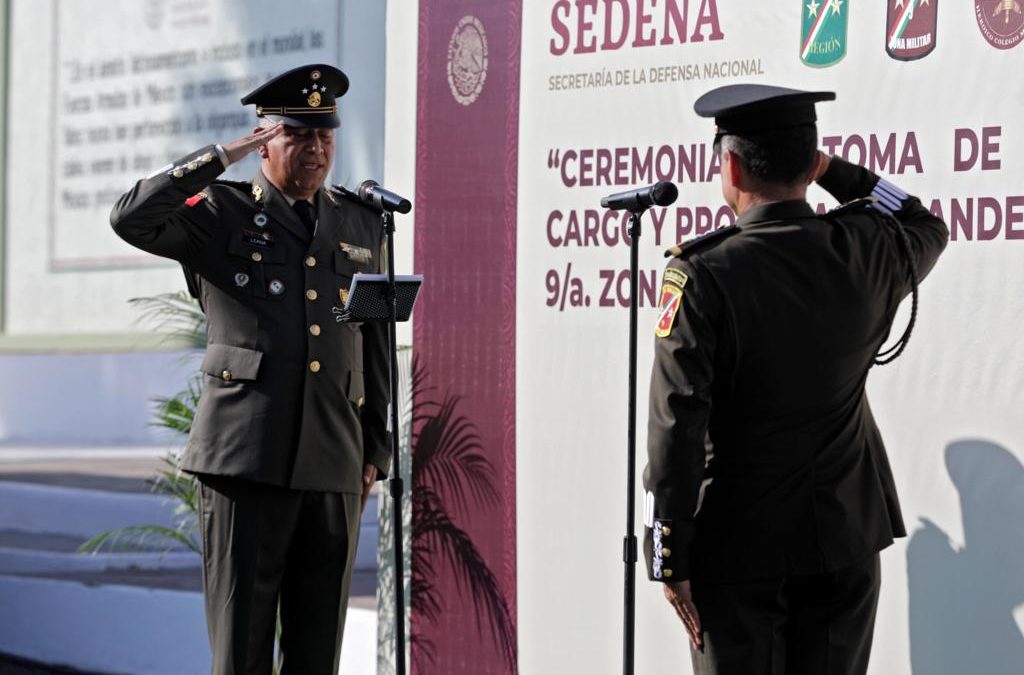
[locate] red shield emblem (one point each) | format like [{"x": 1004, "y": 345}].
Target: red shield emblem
[
  {"x": 910, "y": 28},
  {"x": 671, "y": 298}
]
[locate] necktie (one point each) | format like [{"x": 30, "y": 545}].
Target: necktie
[{"x": 306, "y": 214}]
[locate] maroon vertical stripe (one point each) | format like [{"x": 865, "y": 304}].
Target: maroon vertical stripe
[{"x": 464, "y": 330}]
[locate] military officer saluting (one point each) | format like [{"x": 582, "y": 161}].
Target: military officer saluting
[
  {"x": 769, "y": 494},
  {"x": 290, "y": 432}
]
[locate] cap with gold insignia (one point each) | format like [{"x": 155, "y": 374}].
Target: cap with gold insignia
[
  {"x": 302, "y": 97},
  {"x": 751, "y": 108}
]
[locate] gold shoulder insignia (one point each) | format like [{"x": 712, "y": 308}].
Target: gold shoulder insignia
[
  {"x": 701, "y": 242},
  {"x": 854, "y": 205}
]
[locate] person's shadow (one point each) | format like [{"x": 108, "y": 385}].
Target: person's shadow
[{"x": 962, "y": 600}]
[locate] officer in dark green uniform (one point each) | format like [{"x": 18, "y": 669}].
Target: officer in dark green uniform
[
  {"x": 769, "y": 494},
  {"x": 290, "y": 432}
]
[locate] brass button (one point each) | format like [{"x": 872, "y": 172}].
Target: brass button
[
  {"x": 226, "y": 376},
  {"x": 311, "y": 294},
  {"x": 310, "y": 261},
  {"x": 178, "y": 173},
  {"x": 667, "y": 574},
  {"x": 314, "y": 329},
  {"x": 256, "y": 256},
  {"x": 665, "y": 531},
  {"x": 666, "y": 552},
  {"x": 314, "y": 366}
]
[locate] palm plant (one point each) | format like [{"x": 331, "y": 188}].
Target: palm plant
[{"x": 178, "y": 317}]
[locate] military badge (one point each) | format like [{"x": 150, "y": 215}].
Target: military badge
[
  {"x": 260, "y": 219},
  {"x": 314, "y": 100},
  {"x": 276, "y": 287},
  {"x": 257, "y": 238},
  {"x": 241, "y": 279},
  {"x": 823, "y": 32},
  {"x": 910, "y": 28},
  {"x": 357, "y": 253},
  {"x": 195, "y": 199},
  {"x": 1001, "y": 22},
  {"x": 671, "y": 299},
  {"x": 343, "y": 295}
]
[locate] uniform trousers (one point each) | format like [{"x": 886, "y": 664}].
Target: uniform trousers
[
  {"x": 266, "y": 547},
  {"x": 818, "y": 624}
]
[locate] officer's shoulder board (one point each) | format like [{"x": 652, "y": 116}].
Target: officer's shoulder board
[
  {"x": 853, "y": 206},
  {"x": 702, "y": 242}
]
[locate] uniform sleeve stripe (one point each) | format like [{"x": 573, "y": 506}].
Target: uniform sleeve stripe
[
  {"x": 889, "y": 195},
  {"x": 879, "y": 206},
  {"x": 890, "y": 200}
]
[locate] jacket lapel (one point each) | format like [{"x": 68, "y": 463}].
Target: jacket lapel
[{"x": 277, "y": 207}]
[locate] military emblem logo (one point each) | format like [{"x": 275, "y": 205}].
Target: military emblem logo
[
  {"x": 467, "y": 60},
  {"x": 314, "y": 100},
  {"x": 241, "y": 279},
  {"x": 823, "y": 32},
  {"x": 671, "y": 299},
  {"x": 1001, "y": 22},
  {"x": 910, "y": 28}
]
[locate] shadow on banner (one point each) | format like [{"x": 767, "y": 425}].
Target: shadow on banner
[{"x": 962, "y": 600}]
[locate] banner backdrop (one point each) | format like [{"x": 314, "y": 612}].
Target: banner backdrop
[
  {"x": 606, "y": 103},
  {"x": 464, "y": 471},
  {"x": 929, "y": 94}
]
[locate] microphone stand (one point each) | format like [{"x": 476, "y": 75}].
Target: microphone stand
[
  {"x": 395, "y": 482},
  {"x": 629, "y": 544}
]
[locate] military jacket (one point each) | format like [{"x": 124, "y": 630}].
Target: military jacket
[
  {"x": 292, "y": 396},
  {"x": 764, "y": 458}
]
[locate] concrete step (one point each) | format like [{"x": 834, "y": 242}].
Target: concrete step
[{"x": 120, "y": 629}]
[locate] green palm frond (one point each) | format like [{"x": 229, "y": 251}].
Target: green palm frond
[
  {"x": 177, "y": 315},
  {"x": 141, "y": 538},
  {"x": 177, "y": 412}
]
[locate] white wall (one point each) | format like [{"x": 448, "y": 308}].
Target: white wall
[{"x": 68, "y": 277}]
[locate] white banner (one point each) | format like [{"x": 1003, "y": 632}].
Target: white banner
[{"x": 926, "y": 95}]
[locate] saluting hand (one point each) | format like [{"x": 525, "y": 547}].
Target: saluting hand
[
  {"x": 681, "y": 599},
  {"x": 821, "y": 164},
  {"x": 236, "y": 150}
]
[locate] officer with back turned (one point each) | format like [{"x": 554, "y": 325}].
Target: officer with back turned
[
  {"x": 769, "y": 494},
  {"x": 289, "y": 435}
]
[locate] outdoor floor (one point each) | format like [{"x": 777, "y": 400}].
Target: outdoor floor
[{"x": 111, "y": 474}]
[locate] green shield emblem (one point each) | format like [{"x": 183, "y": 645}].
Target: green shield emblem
[{"x": 823, "y": 31}]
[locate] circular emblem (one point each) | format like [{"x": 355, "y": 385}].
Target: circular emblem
[
  {"x": 1001, "y": 22},
  {"x": 260, "y": 219},
  {"x": 315, "y": 75},
  {"x": 241, "y": 279},
  {"x": 314, "y": 100},
  {"x": 467, "y": 60},
  {"x": 276, "y": 287}
]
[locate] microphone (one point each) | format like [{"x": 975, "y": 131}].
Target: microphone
[
  {"x": 638, "y": 199},
  {"x": 372, "y": 193}
]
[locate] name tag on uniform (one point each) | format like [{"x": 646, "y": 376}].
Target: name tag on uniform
[
  {"x": 357, "y": 253},
  {"x": 257, "y": 238}
]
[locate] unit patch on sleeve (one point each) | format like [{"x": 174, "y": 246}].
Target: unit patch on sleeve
[{"x": 671, "y": 299}]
